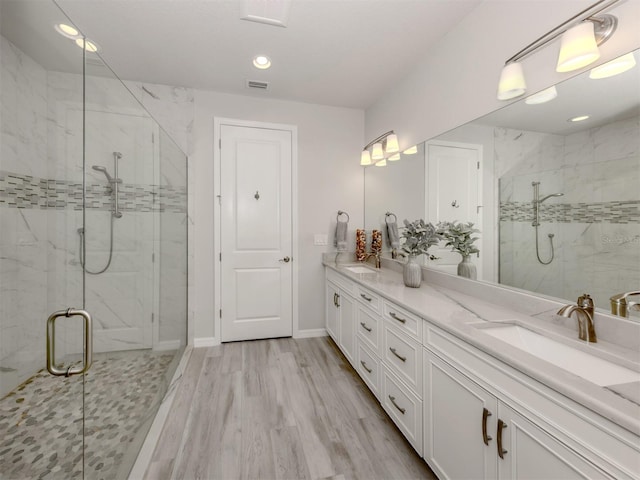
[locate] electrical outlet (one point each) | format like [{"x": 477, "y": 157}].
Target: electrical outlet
[{"x": 320, "y": 239}]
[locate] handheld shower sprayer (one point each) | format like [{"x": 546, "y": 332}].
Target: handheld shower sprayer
[{"x": 536, "y": 219}]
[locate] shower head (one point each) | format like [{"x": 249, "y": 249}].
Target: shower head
[
  {"x": 549, "y": 196},
  {"x": 100, "y": 168}
]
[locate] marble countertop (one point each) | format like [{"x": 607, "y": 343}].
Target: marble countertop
[{"x": 465, "y": 316}]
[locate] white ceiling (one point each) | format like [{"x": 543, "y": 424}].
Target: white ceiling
[{"x": 332, "y": 52}]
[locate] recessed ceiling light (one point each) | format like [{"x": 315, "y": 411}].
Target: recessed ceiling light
[
  {"x": 88, "y": 45},
  {"x": 542, "y": 97},
  {"x": 579, "y": 118},
  {"x": 262, "y": 62},
  {"x": 66, "y": 30}
]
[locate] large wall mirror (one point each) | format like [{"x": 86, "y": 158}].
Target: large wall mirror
[{"x": 557, "y": 200}]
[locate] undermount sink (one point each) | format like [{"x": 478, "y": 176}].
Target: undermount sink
[
  {"x": 359, "y": 269},
  {"x": 590, "y": 367}
]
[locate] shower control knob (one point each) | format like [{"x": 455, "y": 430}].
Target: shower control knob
[{"x": 285, "y": 260}]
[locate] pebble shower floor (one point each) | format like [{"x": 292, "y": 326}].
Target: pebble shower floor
[{"x": 41, "y": 420}]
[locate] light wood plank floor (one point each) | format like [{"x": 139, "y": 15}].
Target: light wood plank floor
[{"x": 279, "y": 409}]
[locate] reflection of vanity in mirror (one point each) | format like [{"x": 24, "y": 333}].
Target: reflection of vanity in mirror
[{"x": 583, "y": 232}]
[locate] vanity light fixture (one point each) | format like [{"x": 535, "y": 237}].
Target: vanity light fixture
[
  {"x": 581, "y": 36},
  {"x": 379, "y": 149},
  {"x": 395, "y": 157},
  {"x": 262, "y": 62},
  {"x": 614, "y": 67},
  {"x": 411, "y": 150},
  {"x": 542, "y": 97}
]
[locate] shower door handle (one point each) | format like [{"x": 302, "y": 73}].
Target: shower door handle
[{"x": 51, "y": 343}]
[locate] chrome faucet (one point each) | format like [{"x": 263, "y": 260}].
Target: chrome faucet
[
  {"x": 584, "y": 313},
  {"x": 620, "y": 303},
  {"x": 375, "y": 255}
]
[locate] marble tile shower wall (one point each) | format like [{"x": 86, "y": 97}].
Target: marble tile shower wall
[
  {"x": 40, "y": 208},
  {"x": 596, "y": 223}
]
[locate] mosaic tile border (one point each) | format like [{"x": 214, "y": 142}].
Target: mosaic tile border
[
  {"x": 620, "y": 212},
  {"x": 26, "y": 191}
]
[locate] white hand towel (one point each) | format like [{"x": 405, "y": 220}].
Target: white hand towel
[
  {"x": 341, "y": 236},
  {"x": 394, "y": 236}
]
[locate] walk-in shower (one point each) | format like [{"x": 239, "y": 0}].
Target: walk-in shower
[
  {"x": 65, "y": 193},
  {"x": 537, "y": 201},
  {"x": 113, "y": 189}
]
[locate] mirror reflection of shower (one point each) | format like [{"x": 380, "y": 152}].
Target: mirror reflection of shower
[
  {"x": 536, "y": 219},
  {"x": 113, "y": 189}
]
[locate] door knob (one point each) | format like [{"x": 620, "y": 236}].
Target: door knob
[{"x": 285, "y": 260}]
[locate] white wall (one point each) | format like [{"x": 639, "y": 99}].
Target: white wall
[
  {"x": 457, "y": 81},
  {"x": 329, "y": 179}
]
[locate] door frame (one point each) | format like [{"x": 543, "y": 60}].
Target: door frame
[{"x": 217, "y": 217}]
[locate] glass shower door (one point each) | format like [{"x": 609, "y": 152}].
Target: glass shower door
[{"x": 41, "y": 208}]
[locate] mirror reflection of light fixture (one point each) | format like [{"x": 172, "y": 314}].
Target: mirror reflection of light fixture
[
  {"x": 581, "y": 36},
  {"x": 614, "y": 67},
  {"x": 395, "y": 157},
  {"x": 382, "y": 147},
  {"x": 542, "y": 97},
  {"x": 411, "y": 150}
]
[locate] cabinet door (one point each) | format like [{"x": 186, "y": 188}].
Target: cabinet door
[
  {"x": 530, "y": 452},
  {"x": 332, "y": 311},
  {"x": 347, "y": 326},
  {"x": 454, "y": 445}
]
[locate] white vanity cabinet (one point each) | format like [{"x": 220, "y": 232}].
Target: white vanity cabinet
[
  {"x": 481, "y": 422},
  {"x": 341, "y": 313}
]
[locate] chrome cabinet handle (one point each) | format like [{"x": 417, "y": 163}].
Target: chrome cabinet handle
[
  {"x": 51, "y": 343},
  {"x": 395, "y": 317},
  {"x": 501, "y": 426},
  {"x": 368, "y": 299},
  {"x": 335, "y": 299},
  {"x": 338, "y": 300},
  {"x": 364, "y": 325},
  {"x": 393, "y": 350},
  {"x": 364, "y": 365},
  {"x": 485, "y": 414},
  {"x": 400, "y": 409},
  {"x": 285, "y": 259}
]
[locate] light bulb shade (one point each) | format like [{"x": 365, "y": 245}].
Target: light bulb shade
[
  {"x": 542, "y": 97},
  {"x": 578, "y": 48},
  {"x": 512, "y": 82},
  {"x": 395, "y": 157},
  {"x": 365, "y": 158},
  {"x": 381, "y": 163},
  {"x": 377, "y": 153},
  {"x": 614, "y": 67},
  {"x": 392, "y": 144},
  {"x": 411, "y": 150}
]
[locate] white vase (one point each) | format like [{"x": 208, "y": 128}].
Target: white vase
[
  {"x": 412, "y": 272},
  {"x": 466, "y": 268}
]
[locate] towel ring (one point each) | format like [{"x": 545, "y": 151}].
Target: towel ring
[
  {"x": 340, "y": 212},
  {"x": 389, "y": 214}
]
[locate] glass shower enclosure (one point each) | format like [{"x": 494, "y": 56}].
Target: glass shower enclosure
[{"x": 93, "y": 261}]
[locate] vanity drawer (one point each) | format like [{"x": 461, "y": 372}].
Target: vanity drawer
[
  {"x": 369, "y": 326},
  {"x": 368, "y": 367},
  {"x": 404, "y": 408},
  {"x": 403, "y": 355},
  {"x": 407, "y": 322},
  {"x": 368, "y": 298}
]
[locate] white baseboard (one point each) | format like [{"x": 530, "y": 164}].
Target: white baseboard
[
  {"x": 311, "y": 332},
  {"x": 206, "y": 342}
]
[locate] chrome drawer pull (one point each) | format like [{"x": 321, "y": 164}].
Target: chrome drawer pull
[
  {"x": 368, "y": 299},
  {"x": 364, "y": 365},
  {"x": 364, "y": 325},
  {"x": 400, "y": 409},
  {"x": 395, "y": 317},
  {"x": 393, "y": 350}
]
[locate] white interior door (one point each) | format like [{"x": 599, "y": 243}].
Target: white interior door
[
  {"x": 453, "y": 194},
  {"x": 256, "y": 233}
]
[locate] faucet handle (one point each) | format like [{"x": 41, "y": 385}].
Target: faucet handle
[{"x": 585, "y": 301}]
